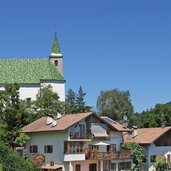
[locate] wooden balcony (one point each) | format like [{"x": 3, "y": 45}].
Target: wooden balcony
[
  {"x": 126, "y": 154},
  {"x": 76, "y": 135}
]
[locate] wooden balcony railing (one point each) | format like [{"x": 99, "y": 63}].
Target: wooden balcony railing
[
  {"x": 126, "y": 154},
  {"x": 76, "y": 135}
]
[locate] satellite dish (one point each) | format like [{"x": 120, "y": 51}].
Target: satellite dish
[
  {"x": 49, "y": 120},
  {"x": 58, "y": 115},
  {"x": 54, "y": 123},
  {"x": 125, "y": 117}
]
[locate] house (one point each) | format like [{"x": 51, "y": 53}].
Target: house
[
  {"x": 155, "y": 141},
  {"x": 32, "y": 73},
  {"x": 77, "y": 142}
]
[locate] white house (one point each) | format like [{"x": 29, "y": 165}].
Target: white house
[
  {"x": 155, "y": 141},
  {"x": 31, "y": 73},
  {"x": 77, "y": 142}
]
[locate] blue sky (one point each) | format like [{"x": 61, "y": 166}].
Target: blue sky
[{"x": 105, "y": 44}]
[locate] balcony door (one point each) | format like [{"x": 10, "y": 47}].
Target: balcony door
[
  {"x": 93, "y": 167},
  {"x": 82, "y": 131}
]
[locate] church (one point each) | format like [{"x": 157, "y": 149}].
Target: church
[{"x": 32, "y": 73}]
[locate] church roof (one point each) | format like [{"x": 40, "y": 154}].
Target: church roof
[
  {"x": 55, "y": 47},
  {"x": 27, "y": 71}
]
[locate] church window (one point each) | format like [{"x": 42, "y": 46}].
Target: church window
[{"x": 56, "y": 62}]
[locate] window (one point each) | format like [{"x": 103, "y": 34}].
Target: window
[
  {"x": 106, "y": 165},
  {"x": 48, "y": 149},
  {"x": 113, "y": 166},
  {"x": 56, "y": 62},
  {"x": 153, "y": 158},
  {"x": 82, "y": 131},
  {"x": 73, "y": 147},
  {"x": 144, "y": 159},
  {"x": 124, "y": 166},
  {"x": 111, "y": 148},
  {"x": 92, "y": 167},
  {"x": 33, "y": 149},
  {"x": 77, "y": 167}
]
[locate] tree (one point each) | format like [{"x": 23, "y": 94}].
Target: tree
[
  {"x": 47, "y": 102},
  {"x": 158, "y": 116},
  {"x": 80, "y": 103},
  {"x": 70, "y": 102},
  {"x": 114, "y": 104},
  {"x": 75, "y": 102},
  {"x": 11, "y": 160},
  {"x": 12, "y": 114},
  {"x": 161, "y": 163},
  {"x": 71, "y": 97},
  {"x": 136, "y": 150}
]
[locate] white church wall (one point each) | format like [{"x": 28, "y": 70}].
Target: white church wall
[
  {"x": 31, "y": 90},
  {"x": 58, "y": 87}
]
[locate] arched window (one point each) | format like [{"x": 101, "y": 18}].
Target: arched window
[{"x": 56, "y": 62}]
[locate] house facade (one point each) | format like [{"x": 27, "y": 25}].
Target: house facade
[
  {"x": 155, "y": 141},
  {"x": 32, "y": 73},
  {"x": 77, "y": 142}
]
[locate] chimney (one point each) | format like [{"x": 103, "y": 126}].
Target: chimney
[{"x": 134, "y": 131}]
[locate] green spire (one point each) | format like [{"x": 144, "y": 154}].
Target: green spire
[{"x": 55, "y": 47}]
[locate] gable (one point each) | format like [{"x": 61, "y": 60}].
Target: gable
[
  {"x": 164, "y": 140},
  {"x": 147, "y": 135},
  {"x": 27, "y": 71}
]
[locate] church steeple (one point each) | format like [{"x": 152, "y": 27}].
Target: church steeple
[
  {"x": 55, "y": 48},
  {"x": 56, "y": 57}
]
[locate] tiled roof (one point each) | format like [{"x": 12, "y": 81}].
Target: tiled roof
[
  {"x": 55, "y": 47},
  {"x": 115, "y": 124},
  {"x": 27, "y": 71},
  {"x": 62, "y": 124},
  {"x": 147, "y": 135}
]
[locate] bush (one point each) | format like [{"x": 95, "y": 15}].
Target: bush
[{"x": 9, "y": 158}]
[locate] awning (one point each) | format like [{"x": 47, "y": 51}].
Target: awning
[
  {"x": 101, "y": 143},
  {"x": 98, "y": 130}
]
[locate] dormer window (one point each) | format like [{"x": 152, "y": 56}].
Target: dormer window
[{"x": 56, "y": 62}]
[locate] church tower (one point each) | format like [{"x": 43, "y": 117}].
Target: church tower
[{"x": 56, "y": 57}]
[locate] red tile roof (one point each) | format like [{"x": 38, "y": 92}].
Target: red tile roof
[
  {"x": 146, "y": 135},
  {"x": 62, "y": 124}
]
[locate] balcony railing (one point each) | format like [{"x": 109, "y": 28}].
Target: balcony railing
[
  {"x": 76, "y": 135},
  {"x": 126, "y": 154}
]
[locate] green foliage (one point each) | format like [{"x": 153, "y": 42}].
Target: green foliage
[
  {"x": 75, "y": 102},
  {"x": 114, "y": 103},
  {"x": 136, "y": 150},
  {"x": 47, "y": 102},
  {"x": 95, "y": 150},
  {"x": 161, "y": 163},
  {"x": 70, "y": 102},
  {"x": 160, "y": 114},
  {"x": 71, "y": 97},
  {"x": 10, "y": 158},
  {"x": 80, "y": 103},
  {"x": 12, "y": 114},
  {"x": 136, "y": 120},
  {"x": 21, "y": 139}
]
